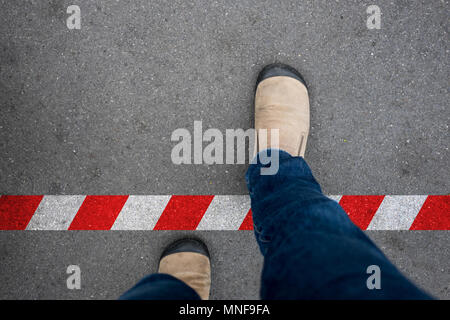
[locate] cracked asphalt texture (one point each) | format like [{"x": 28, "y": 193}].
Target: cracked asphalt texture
[{"x": 91, "y": 111}]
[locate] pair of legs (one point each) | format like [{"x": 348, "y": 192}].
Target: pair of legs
[{"x": 311, "y": 248}]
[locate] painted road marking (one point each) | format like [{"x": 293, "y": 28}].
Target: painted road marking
[
  {"x": 397, "y": 213},
  {"x": 434, "y": 214},
  {"x": 55, "y": 213},
  {"x": 361, "y": 209},
  {"x": 140, "y": 213},
  {"x": 206, "y": 212},
  {"x": 183, "y": 212},
  {"x": 17, "y": 211},
  {"x": 225, "y": 213},
  {"x": 335, "y": 198},
  {"x": 98, "y": 212}
]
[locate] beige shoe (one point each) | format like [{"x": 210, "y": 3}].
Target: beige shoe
[
  {"x": 188, "y": 261},
  {"x": 282, "y": 102}
]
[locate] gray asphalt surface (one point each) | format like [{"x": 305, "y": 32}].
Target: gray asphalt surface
[
  {"x": 91, "y": 111},
  {"x": 33, "y": 264}
]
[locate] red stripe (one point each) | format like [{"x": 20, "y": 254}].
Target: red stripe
[
  {"x": 98, "y": 212},
  {"x": 247, "y": 224},
  {"x": 361, "y": 209},
  {"x": 183, "y": 213},
  {"x": 434, "y": 214},
  {"x": 16, "y": 211}
]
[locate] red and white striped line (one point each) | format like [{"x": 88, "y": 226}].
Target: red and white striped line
[{"x": 178, "y": 212}]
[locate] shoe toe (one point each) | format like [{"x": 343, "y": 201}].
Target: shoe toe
[
  {"x": 186, "y": 245},
  {"x": 277, "y": 70}
]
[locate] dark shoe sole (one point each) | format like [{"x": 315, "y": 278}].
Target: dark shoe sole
[
  {"x": 186, "y": 245},
  {"x": 277, "y": 70}
]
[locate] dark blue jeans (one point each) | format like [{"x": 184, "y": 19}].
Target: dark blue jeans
[{"x": 311, "y": 248}]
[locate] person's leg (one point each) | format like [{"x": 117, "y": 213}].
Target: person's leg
[
  {"x": 184, "y": 274},
  {"x": 311, "y": 248}
]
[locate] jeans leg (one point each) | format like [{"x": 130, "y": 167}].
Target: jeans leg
[
  {"x": 311, "y": 248},
  {"x": 160, "y": 286}
]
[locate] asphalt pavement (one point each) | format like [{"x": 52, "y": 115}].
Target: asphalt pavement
[{"x": 91, "y": 111}]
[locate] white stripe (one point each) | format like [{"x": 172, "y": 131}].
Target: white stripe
[
  {"x": 397, "y": 212},
  {"x": 225, "y": 213},
  {"x": 140, "y": 212},
  {"x": 335, "y": 198},
  {"x": 55, "y": 213}
]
